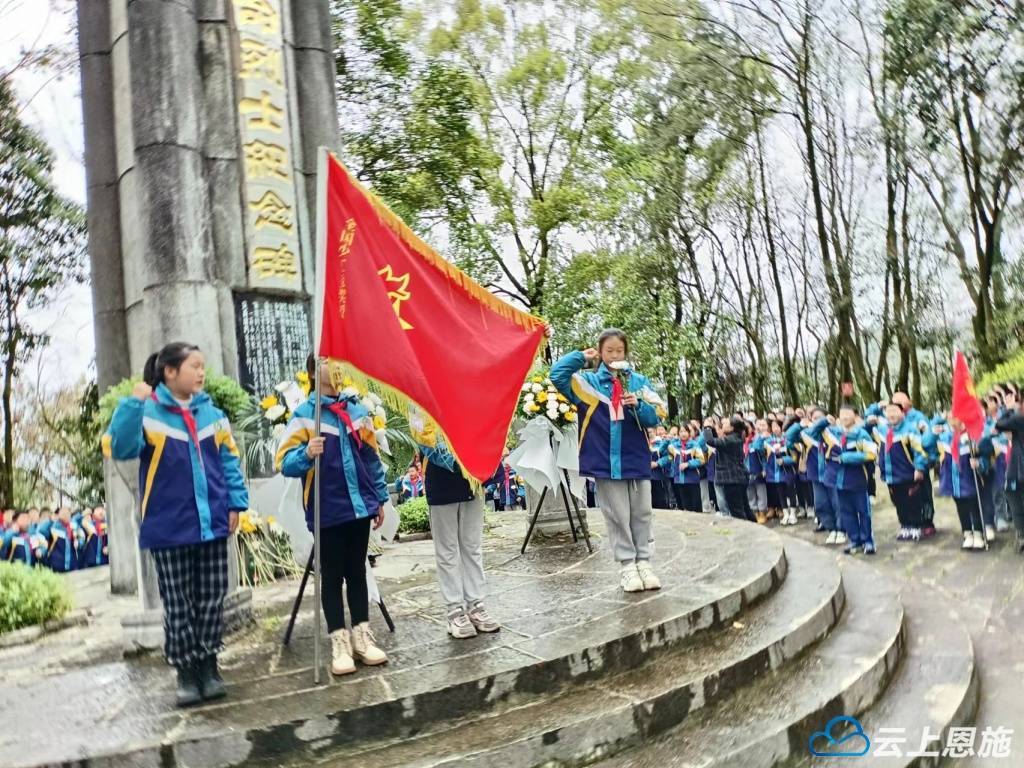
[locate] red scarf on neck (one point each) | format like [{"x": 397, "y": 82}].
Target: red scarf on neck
[
  {"x": 340, "y": 409},
  {"x": 190, "y": 423}
]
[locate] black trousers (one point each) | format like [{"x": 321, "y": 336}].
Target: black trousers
[
  {"x": 908, "y": 498},
  {"x": 661, "y": 497},
  {"x": 927, "y": 502},
  {"x": 970, "y": 515},
  {"x": 688, "y": 496},
  {"x": 343, "y": 563},
  {"x": 1015, "y": 503},
  {"x": 193, "y": 582},
  {"x": 736, "y": 499}
]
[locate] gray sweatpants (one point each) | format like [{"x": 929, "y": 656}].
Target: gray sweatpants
[
  {"x": 626, "y": 506},
  {"x": 757, "y": 496},
  {"x": 458, "y": 531}
]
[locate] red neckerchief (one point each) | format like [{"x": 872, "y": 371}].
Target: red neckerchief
[
  {"x": 842, "y": 441},
  {"x": 340, "y": 409},
  {"x": 955, "y": 447},
  {"x": 190, "y": 423},
  {"x": 889, "y": 439},
  {"x": 616, "y": 397},
  {"x": 506, "y": 469}
]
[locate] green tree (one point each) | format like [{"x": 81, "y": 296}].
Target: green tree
[
  {"x": 959, "y": 66},
  {"x": 41, "y": 252}
]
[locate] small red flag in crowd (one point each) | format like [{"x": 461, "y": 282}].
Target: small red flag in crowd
[
  {"x": 396, "y": 313},
  {"x": 966, "y": 407}
]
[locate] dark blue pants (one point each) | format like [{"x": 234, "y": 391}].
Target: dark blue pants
[
  {"x": 855, "y": 511},
  {"x": 826, "y": 506}
]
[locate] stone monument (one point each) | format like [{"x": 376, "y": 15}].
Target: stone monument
[{"x": 202, "y": 121}]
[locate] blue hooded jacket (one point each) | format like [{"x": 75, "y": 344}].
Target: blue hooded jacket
[
  {"x": 909, "y": 452},
  {"x": 186, "y": 492},
  {"x": 957, "y": 479},
  {"x": 848, "y": 455},
  {"x": 618, "y": 450},
  {"x": 352, "y": 483}
]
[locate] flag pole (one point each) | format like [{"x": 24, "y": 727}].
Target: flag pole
[
  {"x": 977, "y": 495},
  {"x": 318, "y": 309}
]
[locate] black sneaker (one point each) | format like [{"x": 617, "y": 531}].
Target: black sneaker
[
  {"x": 210, "y": 681},
  {"x": 188, "y": 692}
]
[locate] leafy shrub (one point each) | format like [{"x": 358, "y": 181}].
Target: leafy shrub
[
  {"x": 225, "y": 392},
  {"x": 30, "y": 596},
  {"x": 1012, "y": 370},
  {"x": 414, "y": 516}
]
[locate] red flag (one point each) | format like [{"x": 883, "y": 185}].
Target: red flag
[
  {"x": 966, "y": 407},
  {"x": 396, "y": 313}
]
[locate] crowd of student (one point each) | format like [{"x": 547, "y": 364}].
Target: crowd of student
[
  {"x": 803, "y": 463},
  {"x": 798, "y": 463},
  {"x": 61, "y": 540}
]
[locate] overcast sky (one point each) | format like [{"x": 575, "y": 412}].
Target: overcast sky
[{"x": 53, "y": 107}]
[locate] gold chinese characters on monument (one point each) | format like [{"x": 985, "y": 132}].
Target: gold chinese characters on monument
[{"x": 272, "y": 237}]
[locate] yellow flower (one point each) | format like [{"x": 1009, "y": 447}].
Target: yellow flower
[
  {"x": 533, "y": 407},
  {"x": 542, "y": 397},
  {"x": 302, "y": 377},
  {"x": 379, "y": 423},
  {"x": 562, "y": 398},
  {"x": 537, "y": 379},
  {"x": 268, "y": 402},
  {"x": 271, "y": 520},
  {"x": 570, "y": 416}
]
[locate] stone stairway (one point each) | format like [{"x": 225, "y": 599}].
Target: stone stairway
[
  {"x": 756, "y": 641},
  {"x": 834, "y": 638}
]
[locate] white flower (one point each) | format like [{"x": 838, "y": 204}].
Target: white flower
[
  {"x": 375, "y": 398},
  {"x": 275, "y": 412},
  {"x": 536, "y": 388},
  {"x": 620, "y": 365},
  {"x": 526, "y": 387},
  {"x": 284, "y": 385},
  {"x": 528, "y": 398},
  {"x": 278, "y": 430},
  {"x": 350, "y": 392},
  {"x": 368, "y": 404},
  {"x": 380, "y": 413},
  {"x": 526, "y": 409},
  {"x": 563, "y": 408}
]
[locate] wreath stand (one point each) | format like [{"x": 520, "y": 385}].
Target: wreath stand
[{"x": 566, "y": 497}]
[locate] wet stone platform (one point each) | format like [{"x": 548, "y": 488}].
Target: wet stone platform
[{"x": 565, "y": 622}]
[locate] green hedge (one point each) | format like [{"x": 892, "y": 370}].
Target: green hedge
[
  {"x": 414, "y": 516},
  {"x": 30, "y": 596},
  {"x": 1011, "y": 370}
]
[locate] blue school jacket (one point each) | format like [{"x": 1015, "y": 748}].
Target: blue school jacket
[
  {"x": 27, "y": 548},
  {"x": 608, "y": 449},
  {"x": 689, "y": 460},
  {"x": 908, "y": 453},
  {"x": 92, "y": 553},
  {"x": 848, "y": 455},
  {"x": 957, "y": 478},
  {"x": 352, "y": 484},
  {"x": 755, "y": 458},
  {"x": 186, "y": 491},
  {"x": 63, "y": 544}
]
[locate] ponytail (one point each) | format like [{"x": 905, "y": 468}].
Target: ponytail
[{"x": 171, "y": 356}]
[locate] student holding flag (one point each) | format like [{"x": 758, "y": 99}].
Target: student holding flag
[
  {"x": 967, "y": 417},
  {"x": 352, "y": 496}
]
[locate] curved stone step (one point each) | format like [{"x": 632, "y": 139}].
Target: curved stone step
[
  {"x": 936, "y": 687},
  {"x": 590, "y": 720},
  {"x": 566, "y": 624},
  {"x": 771, "y": 722}
]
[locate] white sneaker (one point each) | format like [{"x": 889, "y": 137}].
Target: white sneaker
[
  {"x": 831, "y": 538},
  {"x": 459, "y": 625},
  {"x": 482, "y": 620},
  {"x": 990, "y": 533},
  {"x": 1002, "y": 526},
  {"x": 341, "y": 653},
  {"x": 968, "y": 540},
  {"x": 364, "y": 648},
  {"x": 840, "y": 537},
  {"x": 979, "y": 540},
  {"x": 914, "y": 534},
  {"x": 629, "y": 579},
  {"x": 647, "y": 575}
]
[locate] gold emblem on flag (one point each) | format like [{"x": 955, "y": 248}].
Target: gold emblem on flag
[{"x": 397, "y": 294}]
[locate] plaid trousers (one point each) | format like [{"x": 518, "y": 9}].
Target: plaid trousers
[{"x": 193, "y": 583}]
